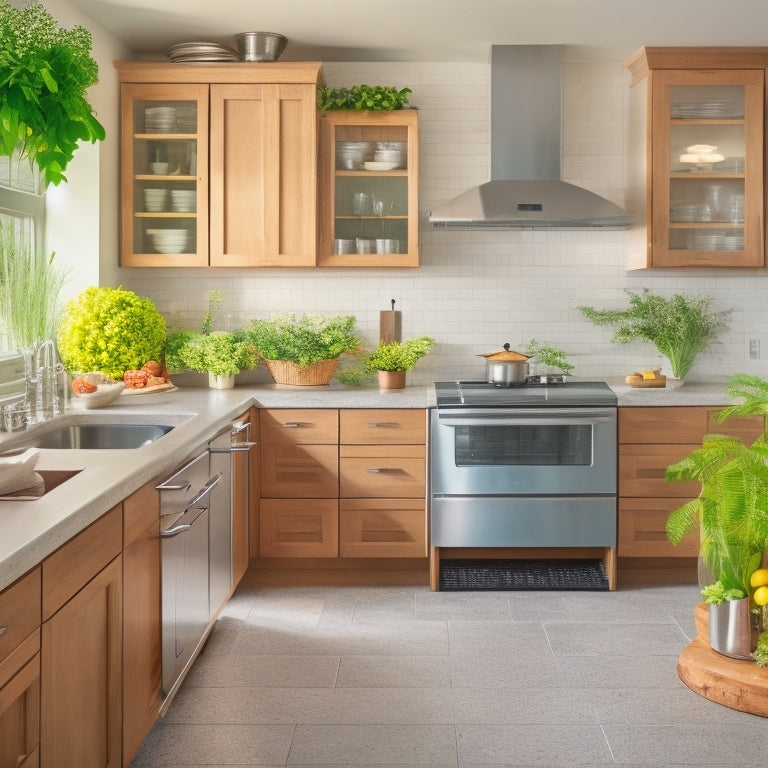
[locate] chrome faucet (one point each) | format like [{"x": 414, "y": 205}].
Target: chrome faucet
[{"x": 45, "y": 384}]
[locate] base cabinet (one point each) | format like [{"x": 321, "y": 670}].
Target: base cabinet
[
  {"x": 20, "y": 673},
  {"x": 650, "y": 439}
]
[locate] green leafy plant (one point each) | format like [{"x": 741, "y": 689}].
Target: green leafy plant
[
  {"x": 552, "y": 357},
  {"x": 110, "y": 330},
  {"x": 399, "y": 355},
  {"x": 373, "y": 98},
  {"x": 305, "y": 340},
  {"x": 679, "y": 326},
  {"x": 732, "y": 506},
  {"x": 222, "y": 353},
  {"x": 760, "y": 654},
  {"x": 716, "y": 593},
  {"x": 30, "y": 285},
  {"x": 45, "y": 72}
]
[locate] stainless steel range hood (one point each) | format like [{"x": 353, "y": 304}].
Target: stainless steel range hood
[{"x": 526, "y": 190}]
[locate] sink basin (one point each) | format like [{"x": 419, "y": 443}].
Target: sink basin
[{"x": 99, "y": 436}]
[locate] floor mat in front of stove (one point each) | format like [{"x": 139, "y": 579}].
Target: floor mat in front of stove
[{"x": 501, "y": 575}]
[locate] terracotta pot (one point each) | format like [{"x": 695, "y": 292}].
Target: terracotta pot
[{"x": 392, "y": 379}]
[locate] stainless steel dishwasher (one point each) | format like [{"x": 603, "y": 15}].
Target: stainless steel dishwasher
[{"x": 185, "y": 509}]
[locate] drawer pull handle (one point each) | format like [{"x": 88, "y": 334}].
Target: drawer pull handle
[
  {"x": 385, "y": 471},
  {"x": 295, "y": 424},
  {"x": 384, "y": 425},
  {"x": 3, "y": 630}
]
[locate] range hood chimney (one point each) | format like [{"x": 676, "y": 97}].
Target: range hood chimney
[{"x": 526, "y": 190}]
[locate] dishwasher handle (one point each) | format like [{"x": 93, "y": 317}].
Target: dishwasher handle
[{"x": 193, "y": 510}]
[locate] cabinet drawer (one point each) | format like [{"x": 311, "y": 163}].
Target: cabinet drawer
[
  {"x": 382, "y": 528},
  {"x": 72, "y": 566},
  {"x": 662, "y": 425},
  {"x": 20, "y": 718},
  {"x": 368, "y": 471},
  {"x": 747, "y": 428},
  {"x": 642, "y": 471},
  {"x": 642, "y": 529},
  {"x": 299, "y": 528},
  {"x": 304, "y": 471},
  {"x": 19, "y": 612},
  {"x": 382, "y": 426},
  {"x": 300, "y": 425}
]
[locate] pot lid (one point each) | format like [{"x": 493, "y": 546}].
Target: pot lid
[{"x": 506, "y": 356}]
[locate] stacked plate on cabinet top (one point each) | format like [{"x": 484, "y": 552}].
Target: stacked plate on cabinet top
[
  {"x": 160, "y": 120},
  {"x": 201, "y": 51},
  {"x": 168, "y": 240}
]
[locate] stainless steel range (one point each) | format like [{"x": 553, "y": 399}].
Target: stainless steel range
[{"x": 532, "y": 465}]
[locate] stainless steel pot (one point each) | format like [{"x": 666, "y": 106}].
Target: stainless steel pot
[
  {"x": 506, "y": 368},
  {"x": 505, "y": 373}
]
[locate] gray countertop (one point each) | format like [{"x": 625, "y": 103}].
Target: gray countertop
[{"x": 31, "y": 530}]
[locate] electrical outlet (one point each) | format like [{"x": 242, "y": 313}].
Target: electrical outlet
[{"x": 753, "y": 349}]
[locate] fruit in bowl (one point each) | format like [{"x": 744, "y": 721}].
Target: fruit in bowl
[{"x": 96, "y": 389}]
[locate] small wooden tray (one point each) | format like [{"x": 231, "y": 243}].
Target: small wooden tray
[{"x": 637, "y": 381}]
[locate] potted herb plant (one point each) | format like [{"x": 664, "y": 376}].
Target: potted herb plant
[
  {"x": 303, "y": 351},
  {"x": 45, "y": 72},
  {"x": 731, "y": 511},
  {"x": 110, "y": 330},
  {"x": 371, "y": 98},
  {"x": 551, "y": 357},
  {"x": 393, "y": 360},
  {"x": 220, "y": 354},
  {"x": 679, "y": 327}
]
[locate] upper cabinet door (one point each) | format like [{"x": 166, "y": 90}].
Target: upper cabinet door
[
  {"x": 164, "y": 175},
  {"x": 706, "y": 168},
  {"x": 369, "y": 172},
  {"x": 263, "y": 175}
]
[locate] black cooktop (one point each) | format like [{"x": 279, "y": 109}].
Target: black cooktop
[{"x": 481, "y": 394}]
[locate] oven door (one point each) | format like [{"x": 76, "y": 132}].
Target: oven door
[{"x": 548, "y": 451}]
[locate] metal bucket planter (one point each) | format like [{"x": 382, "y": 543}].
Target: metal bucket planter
[{"x": 730, "y": 629}]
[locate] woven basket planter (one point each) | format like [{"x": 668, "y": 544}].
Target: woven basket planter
[{"x": 317, "y": 374}]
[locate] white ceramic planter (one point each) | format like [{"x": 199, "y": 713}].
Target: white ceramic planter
[{"x": 220, "y": 382}]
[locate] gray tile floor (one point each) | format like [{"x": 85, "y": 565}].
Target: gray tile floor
[{"x": 374, "y": 677}]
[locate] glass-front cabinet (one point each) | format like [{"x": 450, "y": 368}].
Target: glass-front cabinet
[
  {"x": 369, "y": 189},
  {"x": 164, "y": 175},
  {"x": 708, "y": 168}
]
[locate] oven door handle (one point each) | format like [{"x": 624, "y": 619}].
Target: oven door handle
[{"x": 527, "y": 417}]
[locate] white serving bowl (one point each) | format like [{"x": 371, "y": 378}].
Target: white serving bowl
[{"x": 104, "y": 395}]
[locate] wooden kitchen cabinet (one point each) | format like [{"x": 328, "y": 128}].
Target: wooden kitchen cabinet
[
  {"x": 698, "y": 187},
  {"x": 650, "y": 439},
  {"x": 20, "y": 673},
  {"x": 299, "y": 482},
  {"x": 253, "y": 170},
  {"x": 369, "y": 207},
  {"x": 347, "y": 483},
  {"x": 81, "y": 654},
  {"x": 142, "y": 625},
  {"x": 382, "y": 469}
]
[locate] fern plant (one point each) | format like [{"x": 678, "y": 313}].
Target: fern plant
[{"x": 732, "y": 506}]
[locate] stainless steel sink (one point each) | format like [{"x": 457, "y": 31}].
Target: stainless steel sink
[{"x": 99, "y": 436}]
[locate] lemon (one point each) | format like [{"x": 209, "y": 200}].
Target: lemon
[
  {"x": 760, "y": 596},
  {"x": 759, "y": 578}
]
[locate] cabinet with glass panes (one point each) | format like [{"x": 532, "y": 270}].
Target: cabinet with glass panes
[
  {"x": 165, "y": 181},
  {"x": 369, "y": 189},
  {"x": 697, "y": 196}
]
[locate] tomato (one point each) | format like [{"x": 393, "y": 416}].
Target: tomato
[{"x": 82, "y": 387}]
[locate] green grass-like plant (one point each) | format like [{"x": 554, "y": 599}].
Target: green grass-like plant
[
  {"x": 399, "y": 355},
  {"x": 371, "y": 98}
]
